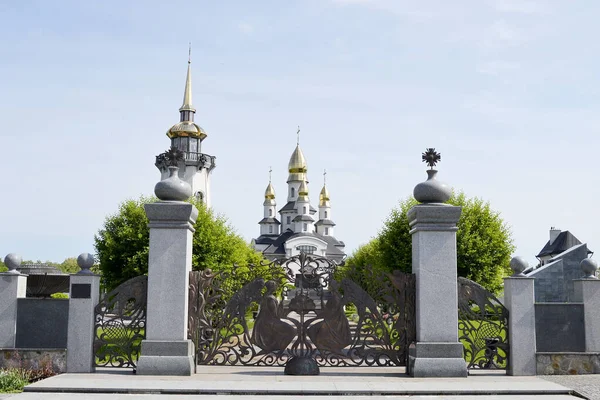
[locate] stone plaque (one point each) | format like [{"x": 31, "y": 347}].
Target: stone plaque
[{"x": 81, "y": 291}]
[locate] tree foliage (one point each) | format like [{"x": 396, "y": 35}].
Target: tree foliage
[
  {"x": 3, "y": 267},
  {"x": 484, "y": 243},
  {"x": 123, "y": 242}
]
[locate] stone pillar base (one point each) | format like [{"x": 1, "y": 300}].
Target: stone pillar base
[
  {"x": 166, "y": 357},
  {"x": 437, "y": 360}
]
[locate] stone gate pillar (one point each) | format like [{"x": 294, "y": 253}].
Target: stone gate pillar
[
  {"x": 13, "y": 285},
  {"x": 167, "y": 350},
  {"x": 587, "y": 291},
  {"x": 437, "y": 353}
]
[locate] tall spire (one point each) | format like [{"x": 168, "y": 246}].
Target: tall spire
[{"x": 187, "y": 94}]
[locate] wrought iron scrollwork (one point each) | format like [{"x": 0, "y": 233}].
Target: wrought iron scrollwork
[
  {"x": 482, "y": 326},
  {"x": 120, "y": 324},
  {"x": 335, "y": 323}
]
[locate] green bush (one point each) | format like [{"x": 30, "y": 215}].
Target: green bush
[
  {"x": 13, "y": 380},
  {"x": 59, "y": 295}
]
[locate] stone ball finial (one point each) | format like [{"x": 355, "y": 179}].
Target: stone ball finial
[
  {"x": 13, "y": 262},
  {"x": 85, "y": 262},
  {"x": 589, "y": 268},
  {"x": 518, "y": 265}
]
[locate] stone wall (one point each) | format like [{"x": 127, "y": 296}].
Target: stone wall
[
  {"x": 567, "y": 363},
  {"x": 56, "y": 359}
]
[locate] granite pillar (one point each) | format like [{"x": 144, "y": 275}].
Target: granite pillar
[
  {"x": 587, "y": 291},
  {"x": 13, "y": 285},
  {"x": 167, "y": 350},
  {"x": 84, "y": 293},
  {"x": 519, "y": 299},
  {"x": 437, "y": 353}
]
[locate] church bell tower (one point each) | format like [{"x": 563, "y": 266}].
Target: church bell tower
[{"x": 187, "y": 136}]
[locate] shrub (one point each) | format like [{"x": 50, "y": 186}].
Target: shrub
[{"x": 13, "y": 380}]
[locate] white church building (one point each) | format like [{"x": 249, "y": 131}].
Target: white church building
[{"x": 300, "y": 228}]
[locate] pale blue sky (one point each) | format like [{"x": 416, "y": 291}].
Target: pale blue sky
[{"x": 508, "y": 91}]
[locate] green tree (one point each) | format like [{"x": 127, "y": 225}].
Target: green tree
[
  {"x": 69, "y": 266},
  {"x": 122, "y": 246},
  {"x": 3, "y": 267},
  {"x": 484, "y": 243}
]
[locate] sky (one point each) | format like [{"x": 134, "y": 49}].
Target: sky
[{"x": 508, "y": 92}]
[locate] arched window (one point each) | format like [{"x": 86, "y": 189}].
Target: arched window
[
  {"x": 304, "y": 210},
  {"x": 289, "y": 220},
  {"x": 292, "y": 192},
  {"x": 270, "y": 212},
  {"x": 325, "y": 214},
  {"x": 306, "y": 249},
  {"x": 200, "y": 197},
  {"x": 326, "y": 231},
  {"x": 270, "y": 228},
  {"x": 305, "y": 227}
]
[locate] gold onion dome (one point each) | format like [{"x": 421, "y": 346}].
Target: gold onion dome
[
  {"x": 187, "y": 127},
  {"x": 270, "y": 192},
  {"x": 324, "y": 196},
  {"x": 297, "y": 165},
  {"x": 303, "y": 192}
]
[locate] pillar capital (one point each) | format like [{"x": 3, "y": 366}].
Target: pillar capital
[{"x": 433, "y": 217}]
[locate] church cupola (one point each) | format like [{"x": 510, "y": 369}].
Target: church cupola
[
  {"x": 269, "y": 225},
  {"x": 186, "y": 135},
  {"x": 325, "y": 224}
]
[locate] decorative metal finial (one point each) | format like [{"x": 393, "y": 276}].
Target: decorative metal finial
[
  {"x": 298, "y": 135},
  {"x": 173, "y": 156},
  {"x": 431, "y": 157},
  {"x": 324, "y": 177},
  {"x": 270, "y": 171},
  {"x": 190, "y": 54}
]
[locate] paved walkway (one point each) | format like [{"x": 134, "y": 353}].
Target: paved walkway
[{"x": 269, "y": 383}]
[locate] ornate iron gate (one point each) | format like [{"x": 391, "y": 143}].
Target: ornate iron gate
[
  {"x": 482, "y": 326},
  {"x": 120, "y": 324},
  {"x": 302, "y": 311}
]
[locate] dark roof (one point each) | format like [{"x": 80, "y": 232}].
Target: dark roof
[
  {"x": 277, "y": 246},
  {"x": 269, "y": 220},
  {"x": 325, "y": 222},
  {"x": 265, "y": 239},
  {"x": 564, "y": 241},
  {"x": 303, "y": 218},
  {"x": 290, "y": 206}
]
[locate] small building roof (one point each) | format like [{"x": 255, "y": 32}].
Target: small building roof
[{"x": 564, "y": 241}]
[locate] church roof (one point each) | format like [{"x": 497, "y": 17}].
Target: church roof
[
  {"x": 266, "y": 239},
  {"x": 307, "y": 218},
  {"x": 269, "y": 220},
  {"x": 291, "y": 206},
  {"x": 327, "y": 222},
  {"x": 278, "y": 245}
]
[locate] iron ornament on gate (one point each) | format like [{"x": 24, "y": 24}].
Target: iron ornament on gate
[
  {"x": 318, "y": 321},
  {"x": 120, "y": 324},
  {"x": 482, "y": 326}
]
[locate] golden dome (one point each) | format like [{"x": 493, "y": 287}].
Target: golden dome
[
  {"x": 297, "y": 165},
  {"x": 186, "y": 128},
  {"x": 270, "y": 192},
  {"x": 303, "y": 189},
  {"x": 297, "y": 161},
  {"x": 324, "y": 197}
]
